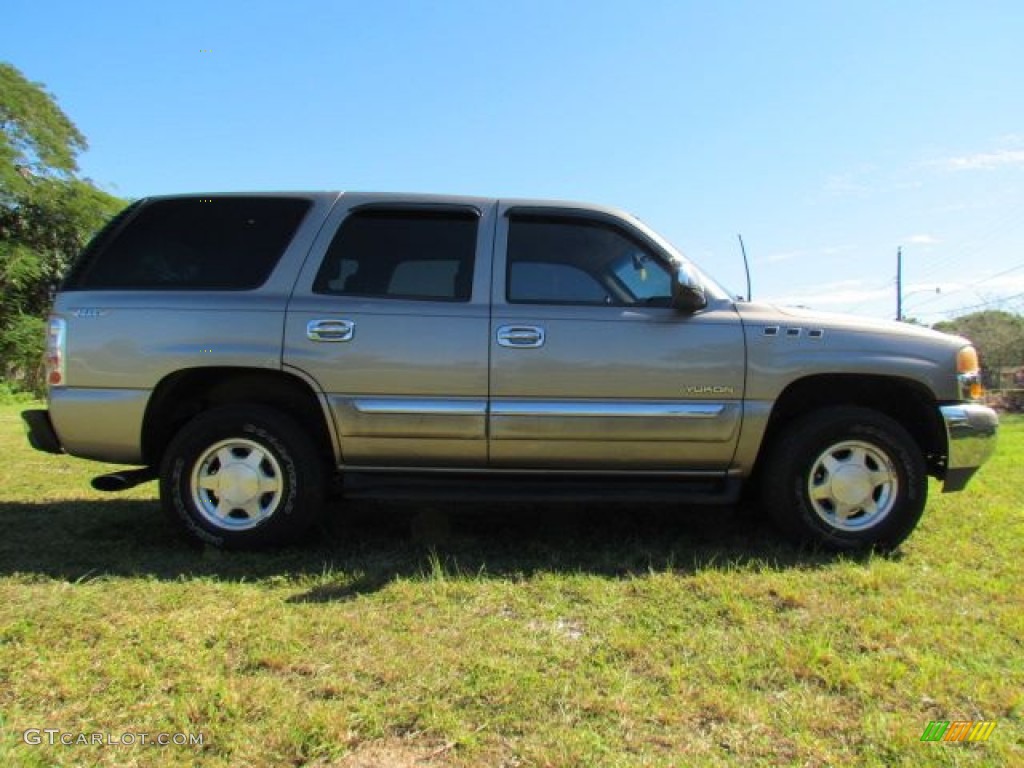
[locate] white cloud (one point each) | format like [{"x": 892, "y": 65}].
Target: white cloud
[
  {"x": 838, "y": 293},
  {"x": 778, "y": 257},
  {"x": 922, "y": 240},
  {"x": 836, "y": 250},
  {"x": 960, "y": 207},
  {"x": 983, "y": 161},
  {"x": 845, "y": 184}
]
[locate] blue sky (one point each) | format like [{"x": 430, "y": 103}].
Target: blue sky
[{"x": 827, "y": 133}]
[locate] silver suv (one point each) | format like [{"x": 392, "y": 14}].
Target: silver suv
[{"x": 250, "y": 349}]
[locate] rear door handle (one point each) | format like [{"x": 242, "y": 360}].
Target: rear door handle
[
  {"x": 521, "y": 336},
  {"x": 330, "y": 330}
]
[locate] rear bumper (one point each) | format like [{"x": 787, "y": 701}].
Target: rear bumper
[
  {"x": 41, "y": 434},
  {"x": 971, "y": 439},
  {"x": 102, "y": 424}
]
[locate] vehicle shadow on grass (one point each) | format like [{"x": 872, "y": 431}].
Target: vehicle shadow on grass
[{"x": 362, "y": 547}]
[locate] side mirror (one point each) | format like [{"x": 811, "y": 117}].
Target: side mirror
[{"x": 688, "y": 294}]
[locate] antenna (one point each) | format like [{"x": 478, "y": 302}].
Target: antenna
[
  {"x": 899, "y": 283},
  {"x": 746, "y": 265}
]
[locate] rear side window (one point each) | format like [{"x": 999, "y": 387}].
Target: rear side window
[
  {"x": 402, "y": 254},
  {"x": 211, "y": 243}
]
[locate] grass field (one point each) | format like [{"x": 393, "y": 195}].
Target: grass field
[{"x": 526, "y": 636}]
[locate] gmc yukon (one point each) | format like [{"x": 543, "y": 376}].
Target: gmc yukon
[{"x": 253, "y": 351}]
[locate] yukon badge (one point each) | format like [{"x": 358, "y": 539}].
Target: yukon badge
[
  {"x": 88, "y": 312},
  {"x": 708, "y": 390}
]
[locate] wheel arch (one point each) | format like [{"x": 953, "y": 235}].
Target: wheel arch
[
  {"x": 908, "y": 403},
  {"x": 182, "y": 395}
]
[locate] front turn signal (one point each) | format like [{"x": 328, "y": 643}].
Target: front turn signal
[
  {"x": 967, "y": 360},
  {"x": 969, "y": 373}
]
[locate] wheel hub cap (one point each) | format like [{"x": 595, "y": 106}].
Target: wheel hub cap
[
  {"x": 237, "y": 484},
  {"x": 853, "y": 485}
]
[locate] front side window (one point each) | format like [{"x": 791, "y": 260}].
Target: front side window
[
  {"x": 402, "y": 254},
  {"x": 212, "y": 243},
  {"x": 575, "y": 260}
]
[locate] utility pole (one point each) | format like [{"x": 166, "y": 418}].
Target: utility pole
[{"x": 899, "y": 283}]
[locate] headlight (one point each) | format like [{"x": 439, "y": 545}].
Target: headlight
[{"x": 969, "y": 373}]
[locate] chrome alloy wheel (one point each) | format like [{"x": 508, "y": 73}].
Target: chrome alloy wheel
[
  {"x": 853, "y": 485},
  {"x": 237, "y": 484}
]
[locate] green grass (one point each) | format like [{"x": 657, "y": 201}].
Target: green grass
[{"x": 516, "y": 636}]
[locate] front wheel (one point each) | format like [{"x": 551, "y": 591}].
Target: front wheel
[
  {"x": 242, "y": 476},
  {"x": 847, "y": 478}
]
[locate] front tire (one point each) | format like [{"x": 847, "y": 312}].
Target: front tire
[
  {"x": 242, "y": 477},
  {"x": 846, "y": 478}
]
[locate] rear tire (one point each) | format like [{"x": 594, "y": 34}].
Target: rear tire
[
  {"x": 846, "y": 478},
  {"x": 242, "y": 477}
]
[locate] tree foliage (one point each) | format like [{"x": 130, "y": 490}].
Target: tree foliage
[
  {"x": 47, "y": 212},
  {"x": 998, "y": 336}
]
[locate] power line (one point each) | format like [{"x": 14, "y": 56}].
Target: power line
[
  {"x": 1000, "y": 227},
  {"x": 974, "y": 307},
  {"x": 975, "y": 284}
]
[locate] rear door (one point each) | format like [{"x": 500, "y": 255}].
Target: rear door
[
  {"x": 590, "y": 366},
  {"x": 390, "y": 318}
]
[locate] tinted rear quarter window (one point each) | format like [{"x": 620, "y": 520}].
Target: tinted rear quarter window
[{"x": 201, "y": 243}]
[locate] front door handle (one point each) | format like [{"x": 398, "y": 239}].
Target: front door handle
[
  {"x": 521, "y": 336},
  {"x": 330, "y": 330}
]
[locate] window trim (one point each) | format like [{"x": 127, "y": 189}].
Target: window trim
[{"x": 411, "y": 207}]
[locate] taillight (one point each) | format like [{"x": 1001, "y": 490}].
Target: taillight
[{"x": 56, "y": 343}]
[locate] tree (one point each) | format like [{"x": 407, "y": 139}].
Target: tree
[
  {"x": 998, "y": 336},
  {"x": 46, "y": 215}
]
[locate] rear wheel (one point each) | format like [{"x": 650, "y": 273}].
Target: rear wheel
[
  {"x": 847, "y": 478},
  {"x": 242, "y": 476}
]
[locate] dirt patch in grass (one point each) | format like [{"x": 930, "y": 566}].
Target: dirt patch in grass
[{"x": 396, "y": 753}]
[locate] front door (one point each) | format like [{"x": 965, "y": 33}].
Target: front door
[{"x": 591, "y": 368}]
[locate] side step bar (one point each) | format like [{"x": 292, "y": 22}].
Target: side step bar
[{"x": 708, "y": 489}]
